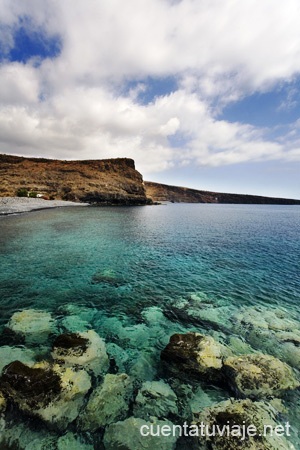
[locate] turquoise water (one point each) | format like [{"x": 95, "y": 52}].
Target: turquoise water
[{"x": 127, "y": 268}]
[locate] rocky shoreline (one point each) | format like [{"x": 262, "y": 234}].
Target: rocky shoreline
[{"x": 17, "y": 205}]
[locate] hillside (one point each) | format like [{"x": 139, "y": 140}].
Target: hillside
[
  {"x": 108, "y": 181},
  {"x": 162, "y": 192}
]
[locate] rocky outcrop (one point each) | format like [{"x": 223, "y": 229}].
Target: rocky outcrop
[
  {"x": 105, "y": 182},
  {"x": 52, "y": 393},
  {"x": 175, "y": 194},
  {"x": 86, "y": 350},
  {"x": 193, "y": 354},
  {"x": 259, "y": 376},
  {"x": 32, "y": 325},
  {"x": 155, "y": 398},
  {"x": 233, "y": 417}
]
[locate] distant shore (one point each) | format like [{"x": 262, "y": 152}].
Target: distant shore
[{"x": 16, "y": 205}]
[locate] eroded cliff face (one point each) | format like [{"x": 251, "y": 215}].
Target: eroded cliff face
[
  {"x": 165, "y": 193},
  {"x": 106, "y": 182}
]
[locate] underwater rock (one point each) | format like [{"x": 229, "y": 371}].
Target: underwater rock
[
  {"x": 118, "y": 354},
  {"x": 10, "y": 354},
  {"x": 32, "y": 325},
  {"x": 69, "y": 442},
  {"x": 22, "y": 437},
  {"x": 75, "y": 323},
  {"x": 53, "y": 393},
  {"x": 144, "y": 366},
  {"x": 107, "y": 276},
  {"x": 236, "y": 415},
  {"x": 108, "y": 403},
  {"x": 84, "y": 349},
  {"x": 258, "y": 376},
  {"x": 193, "y": 354},
  {"x": 155, "y": 398},
  {"x": 127, "y": 435},
  {"x": 272, "y": 330}
]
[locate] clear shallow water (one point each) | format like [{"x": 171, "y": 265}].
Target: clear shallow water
[{"x": 130, "y": 264}]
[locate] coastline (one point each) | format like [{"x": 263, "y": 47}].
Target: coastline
[{"x": 18, "y": 205}]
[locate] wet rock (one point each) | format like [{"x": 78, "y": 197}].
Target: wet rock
[
  {"x": 32, "y": 325},
  {"x": 127, "y": 435},
  {"x": 193, "y": 354},
  {"x": 108, "y": 403},
  {"x": 155, "y": 398},
  {"x": 52, "y": 393},
  {"x": 258, "y": 376},
  {"x": 10, "y": 354},
  {"x": 238, "y": 415},
  {"x": 118, "y": 354},
  {"x": 84, "y": 349}
]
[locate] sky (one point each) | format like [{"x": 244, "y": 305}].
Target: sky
[{"x": 200, "y": 93}]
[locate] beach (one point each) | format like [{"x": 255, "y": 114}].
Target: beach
[{"x": 16, "y": 205}]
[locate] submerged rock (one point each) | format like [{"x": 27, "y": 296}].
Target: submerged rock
[
  {"x": 193, "y": 354},
  {"x": 108, "y": 403},
  {"x": 237, "y": 416},
  {"x": 259, "y": 376},
  {"x": 84, "y": 349},
  {"x": 155, "y": 398},
  {"x": 272, "y": 330},
  {"x": 22, "y": 437},
  {"x": 69, "y": 442},
  {"x": 10, "y": 354},
  {"x": 52, "y": 393},
  {"x": 32, "y": 325},
  {"x": 127, "y": 435}
]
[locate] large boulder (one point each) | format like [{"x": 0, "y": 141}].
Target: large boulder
[
  {"x": 32, "y": 325},
  {"x": 155, "y": 398},
  {"x": 235, "y": 418},
  {"x": 86, "y": 350},
  {"x": 108, "y": 403},
  {"x": 259, "y": 376},
  {"x": 55, "y": 394},
  {"x": 193, "y": 354},
  {"x": 127, "y": 435}
]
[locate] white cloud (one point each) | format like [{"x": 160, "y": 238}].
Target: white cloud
[{"x": 217, "y": 50}]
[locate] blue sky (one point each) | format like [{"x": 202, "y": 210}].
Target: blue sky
[{"x": 204, "y": 94}]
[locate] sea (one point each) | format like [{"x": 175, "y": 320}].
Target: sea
[{"x": 137, "y": 275}]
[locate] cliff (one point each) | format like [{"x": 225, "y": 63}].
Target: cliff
[
  {"x": 162, "y": 192},
  {"x": 108, "y": 181}
]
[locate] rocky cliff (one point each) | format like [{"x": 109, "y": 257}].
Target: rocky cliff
[
  {"x": 108, "y": 181},
  {"x": 162, "y": 192}
]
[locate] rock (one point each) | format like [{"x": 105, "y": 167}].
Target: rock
[
  {"x": 107, "y": 276},
  {"x": 272, "y": 330},
  {"x": 75, "y": 323},
  {"x": 52, "y": 393},
  {"x": 22, "y": 437},
  {"x": 84, "y": 349},
  {"x": 238, "y": 413},
  {"x": 108, "y": 403},
  {"x": 2, "y": 403},
  {"x": 258, "y": 376},
  {"x": 144, "y": 366},
  {"x": 155, "y": 398},
  {"x": 69, "y": 441},
  {"x": 193, "y": 354},
  {"x": 10, "y": 354},
  {"x": 127, "y": 435},
  {"x": 118, "y": 354},
  {"x": 32, "y": 325}
]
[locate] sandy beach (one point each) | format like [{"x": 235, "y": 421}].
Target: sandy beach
[{"x": 15, "y": 205}]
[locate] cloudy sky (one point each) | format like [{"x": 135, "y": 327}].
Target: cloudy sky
[{"x": 201, "y": 93}]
